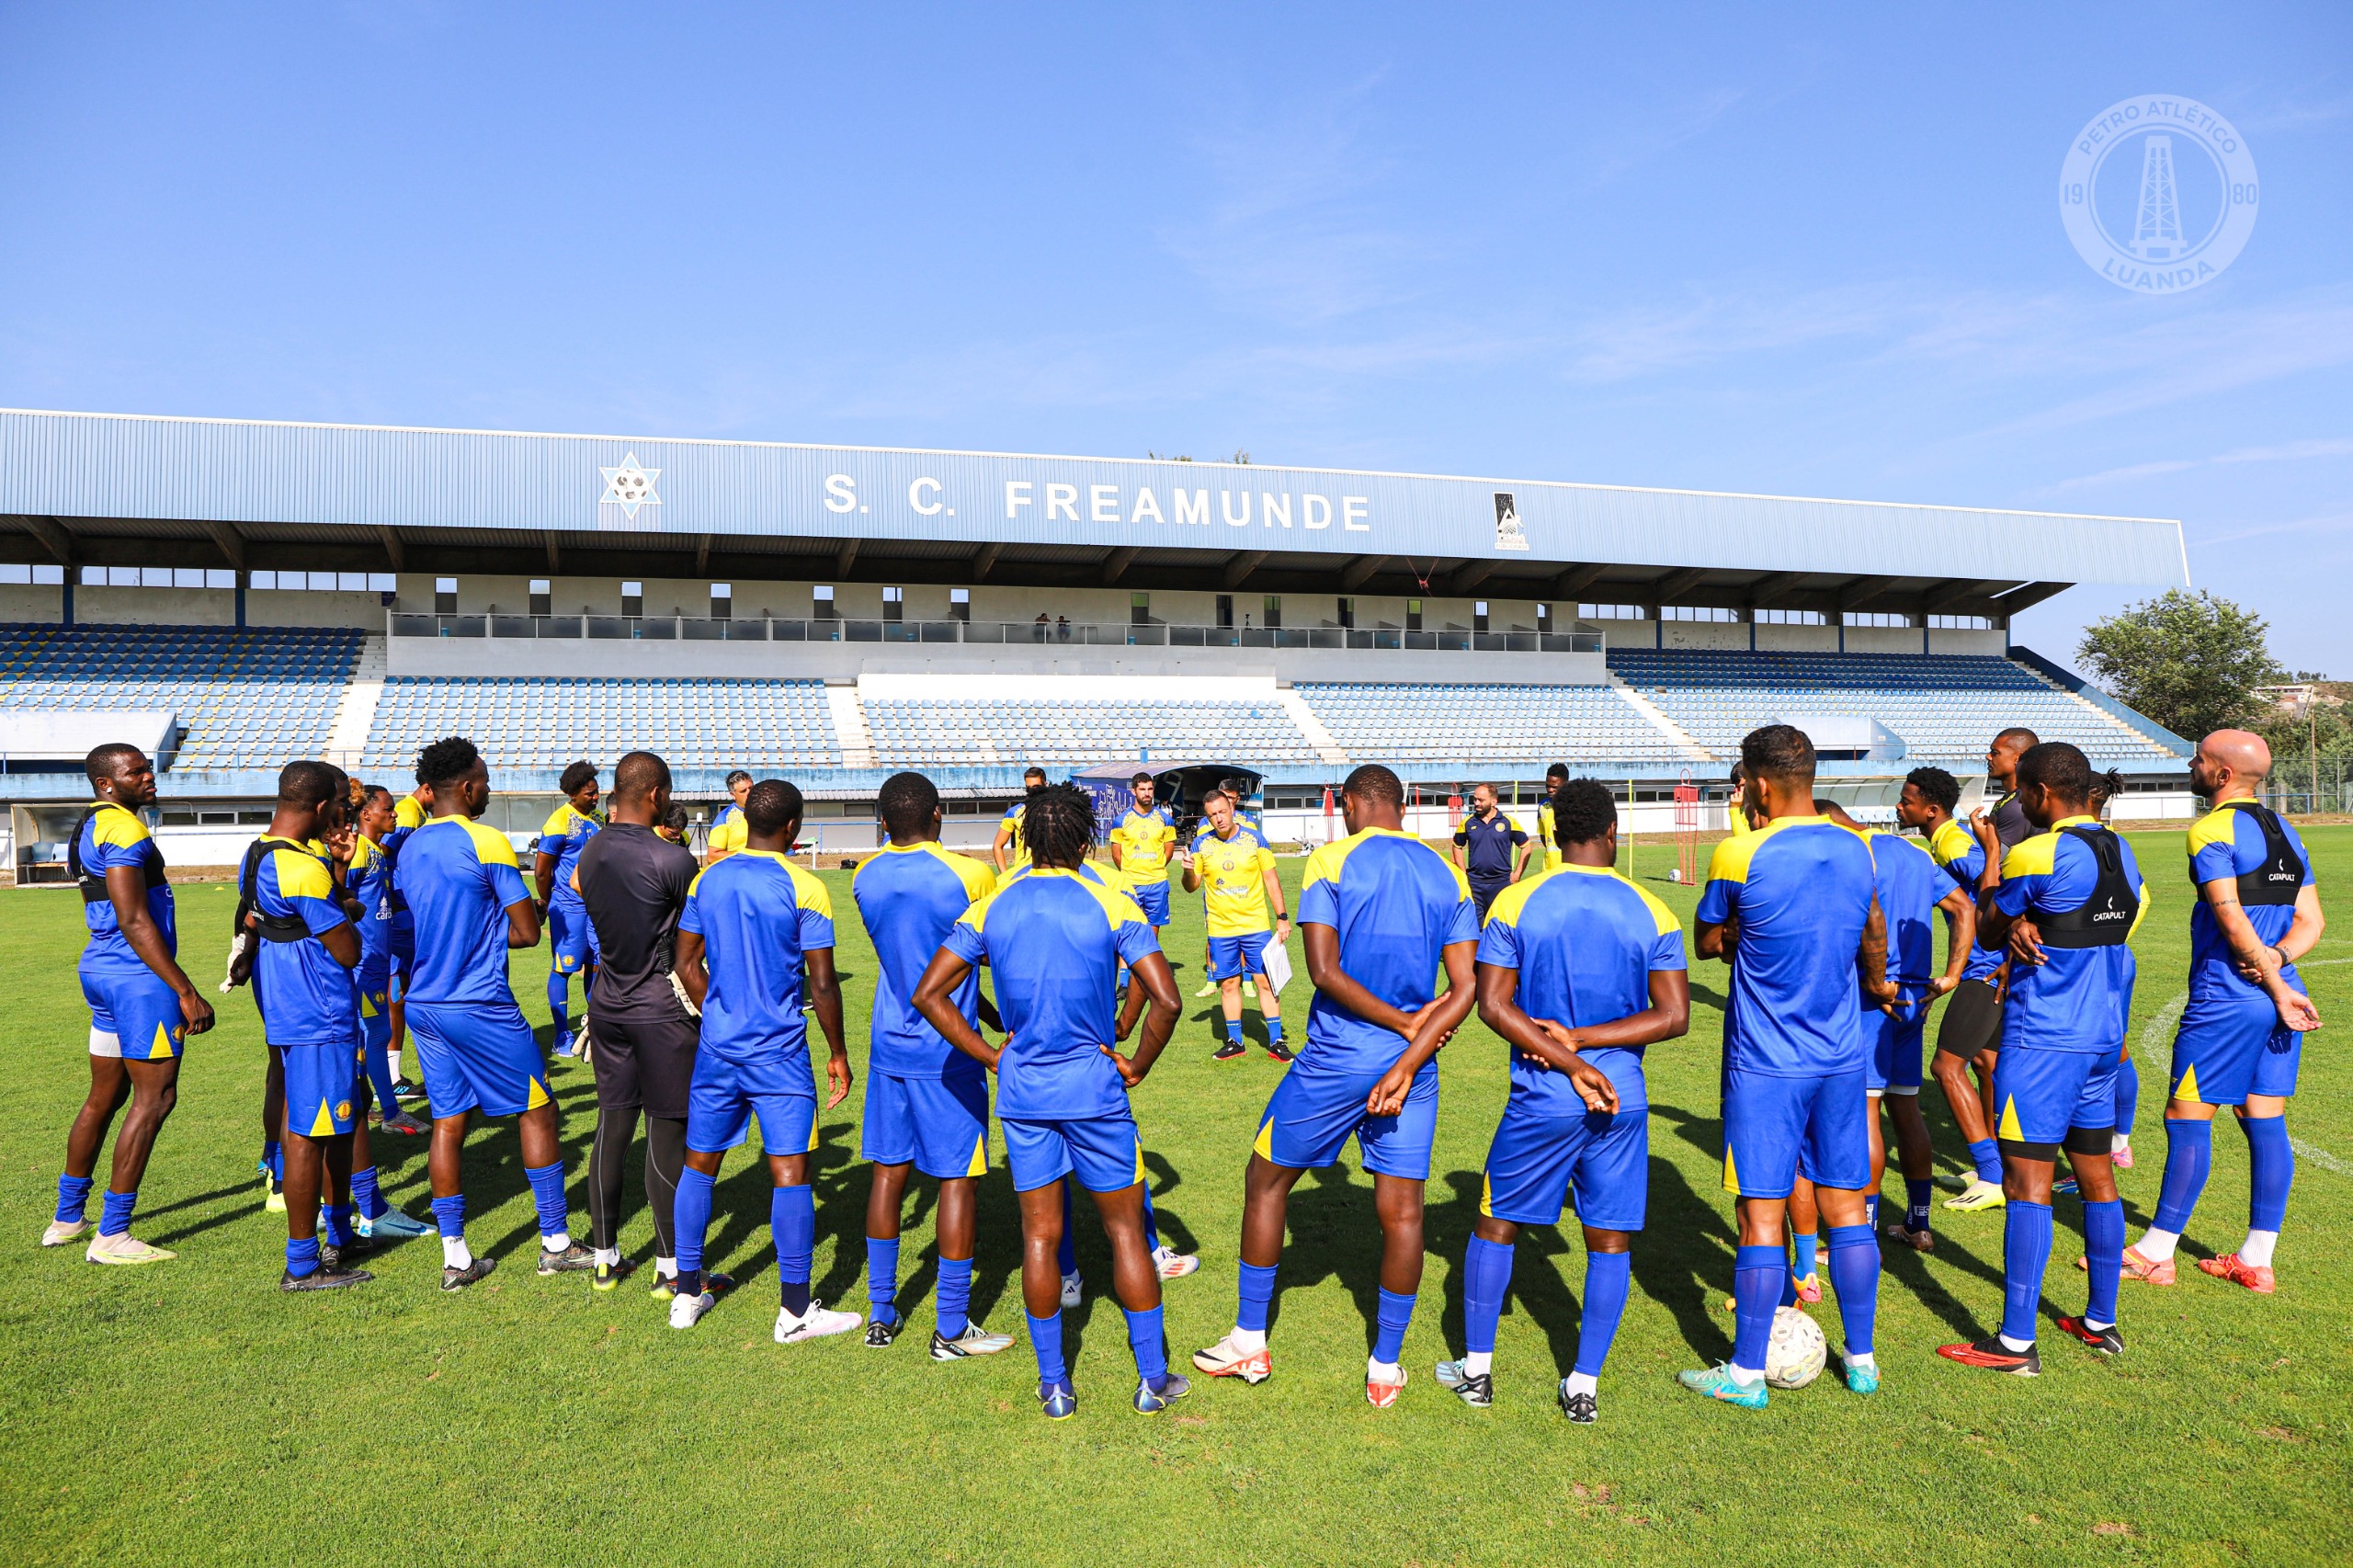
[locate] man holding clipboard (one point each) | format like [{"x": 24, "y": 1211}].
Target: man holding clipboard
[{"x": 1230, "y": 861}]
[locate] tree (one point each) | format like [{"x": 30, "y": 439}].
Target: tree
[{"x": 2190, "y": 661}]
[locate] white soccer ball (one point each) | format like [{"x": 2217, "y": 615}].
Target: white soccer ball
[
  {"x": 1795, "y": 1355},
  {"x": 1674, "y": 873}
]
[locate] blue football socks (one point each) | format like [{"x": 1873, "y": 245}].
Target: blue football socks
[
  {"x": 2026, "y": 1253},
  {"x": 73, "y": 1197},
  {"x": 1150, "y": 1226},
  {"x": 1274, "y": 1032},
  {"x": 2272, "y": 1171},
  {"x": 302, "y": 1256},
  {"x": 1486, "y": 1281},
  {"x": 366, "y": 1197},
  {"x": 1917, "y": 1196},
  {"x": 882, "y": 1277},
  {"x": 1986, "y": 1156},
  {"x": 1234, "y": 1032},
  {"x": 1257, "y": 1295},
  {"x": 1150, "y": 1345},
  {"x": 1046, "y": 1339},
  {"x": 380, "y": 1080},
  {"x": 691, "y": 1217},
  {"x": 547, "y": 1195},
  {"x": 1608, "y": 1278},
  {"x": 338, "y": 1224},
  {"x": 1388, "y": 1339},
  {"x": 2104, "y": 1256},
  {"x": 1808, "y": 1250},
  {"x": 1854, "y": 1274},
  {"x": 449, "y": 1216},
  {"x": 114, "y": 1212},
  {"x": 2190, "y": 1157},
  {"x": 1758, "y": 1275},
  {"x": 955, "y": 1299},
  {"x": 792, "y": 1225},
  {"x": 273, "y": 1159},
  {"x": 559, "y": 1006},
  {"x": 2127, "y": 1097}
]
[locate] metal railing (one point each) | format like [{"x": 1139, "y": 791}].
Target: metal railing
[{"x": 1585, "y": 639}]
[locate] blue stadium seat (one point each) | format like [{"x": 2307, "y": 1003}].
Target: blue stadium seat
[{"x": 548, "y": 721}]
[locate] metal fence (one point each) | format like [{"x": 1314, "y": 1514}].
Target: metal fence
[{"x": 1585, "y": 639}]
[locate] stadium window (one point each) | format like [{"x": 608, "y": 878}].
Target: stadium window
[
  {"x": 959, "y": 605},
  {"x": 445, "y": 596},
  {"x": 378, "y": 583},
  {"x": 722, "y": 600},
  {"x": 633, "y": 600},
  {"x": 894, "y": 604},
  {"x": 543, "y": 596},
  {"x": 821, "y": 602},
  {"x": 1696, "y": 612},
  {"x": 1612, "y": 612},
  {"x": 1874, "y": 617},
  {"x": 1274, "y": 609},
  {"x": 1961, "y": 622},
  {"x": 1225, "y": 611},
  {"x": 1479, "y": 615},
  {"x": 1791, "y": 617},
  {"x": 348, "y": 581},
  {"x": 1139, "y": 609},
  {"x": 16, "y": 575},
  {"x": 1413, "y": 615},
  {"x": 1348, "y": 616},
  {"x": 48, "y": 576},
  {"x": 1543, "y": 617}
]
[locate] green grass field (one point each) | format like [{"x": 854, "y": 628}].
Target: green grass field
[{"x": 190, "y": 1412}]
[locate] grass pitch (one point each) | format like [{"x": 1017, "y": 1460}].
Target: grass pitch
[{"x": 190, "y": 1413}]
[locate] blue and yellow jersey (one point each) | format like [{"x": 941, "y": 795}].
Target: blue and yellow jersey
[
  {"x": 459, "y": 879},
  {"x": 1143, "y": 841},
  {"x": 1547, "y": 834},
  {"x": 565, "y": 833},
  {"x": 758, "y": 913},
  {"x": 1108, "y": 877},
  {"x": 1956, "y": 848},
  {"x": 1585, "y": 942},
  {"x": 2076, "y": 999},
  {"x": 910, "y": 897},
  {"x": 2229, "y": 844},
  {"x": 408, "y": 815},
  {"x": 1232, "y": 874},
  {"x": 115, "y": 836},
  {"x": 1396, "y": 905},
  {"x": 728, "y": 831},
  {"x": 1054, "y": 939},
  {"x": 369, "y": 881},
  {"x": 305, "y": 997},
  {"x": 1909, "y": 885},
  {"x": 1015, "y": 815},
  {"x": 1800, "y": 889}
]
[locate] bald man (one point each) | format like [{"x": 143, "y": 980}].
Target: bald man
[{"x": 2242, "y": 1037}]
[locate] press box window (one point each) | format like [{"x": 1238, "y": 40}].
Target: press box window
[
  {"x": 1225, "y": 611},
  {"x": 1479, "y": 615},
  {"x": 1272, "y": 604},
  {"x": 633, "y": 600},
  {"x": 445, "y": 596},
  {"x": 821, "y": 601},
  {"x": 543, "y": 596},
  {"x": 1348, "y": 613},
  {"x": 1139, "y": 609},
  {"x": 959, "y": 605},
  {"x": 722, "y": 600},
  {"x": 895, "y": 605},
  {"x": 1413, "y": 615}
]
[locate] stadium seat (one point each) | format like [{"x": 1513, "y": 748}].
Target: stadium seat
[{"x": 549, "y": 720}]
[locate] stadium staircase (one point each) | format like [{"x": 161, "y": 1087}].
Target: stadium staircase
[
  {"x": 1692, "y": 750},
  {"x": 1326, "y": 748},
  {"x": 347, "y": 740},
  {"x": 850, "y": 724}
]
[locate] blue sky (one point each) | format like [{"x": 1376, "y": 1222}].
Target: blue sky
[{"x": 1807, "y": 252}]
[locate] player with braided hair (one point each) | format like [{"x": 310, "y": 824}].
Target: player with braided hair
[{"x": 1053, "y": 939}]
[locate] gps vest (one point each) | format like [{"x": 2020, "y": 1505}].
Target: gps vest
[
  {"x": 272, "y": 927},
  {"x": 2282, "y": 875},
  {"x": 94, "y": 884},
  {"x": 2105, "y": 919}
]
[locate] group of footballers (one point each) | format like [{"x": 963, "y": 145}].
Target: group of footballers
[{"x": 703, "y": 978}]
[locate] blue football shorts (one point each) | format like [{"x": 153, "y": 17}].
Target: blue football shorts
[
  {"x": 940, "y": 1125},
  {"x": 1234, "y": 957},
  {"x": 1105, "y": 1153},
  {"x": 1538, "y": 1156},
  {"x": 1776, "y": 1129},
  {"x": 2232, "y": 1046},
  {"x": 2040, "y": 1095},
  {"x": 726, "y": 1095},
  {"x": 375, "y": 1007},
  {"x": 1896, "y": 1044},
  {"x": 1153, "y": 899},
  {"x": 478, "y": 1056},
  {"x": 135, "y": 1016},
  {"x": 571, "y": 938},
  {"x": 320, "y": 1083},
  {"x": 1315, "y": 1110}
]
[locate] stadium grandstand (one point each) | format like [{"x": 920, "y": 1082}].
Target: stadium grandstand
[{"x": 247, "y": 592}]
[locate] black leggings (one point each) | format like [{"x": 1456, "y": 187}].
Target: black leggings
[{"x": 666, "y": 1156}]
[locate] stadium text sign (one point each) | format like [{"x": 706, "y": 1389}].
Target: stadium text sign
[{"x": 1049, "y": 501}]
